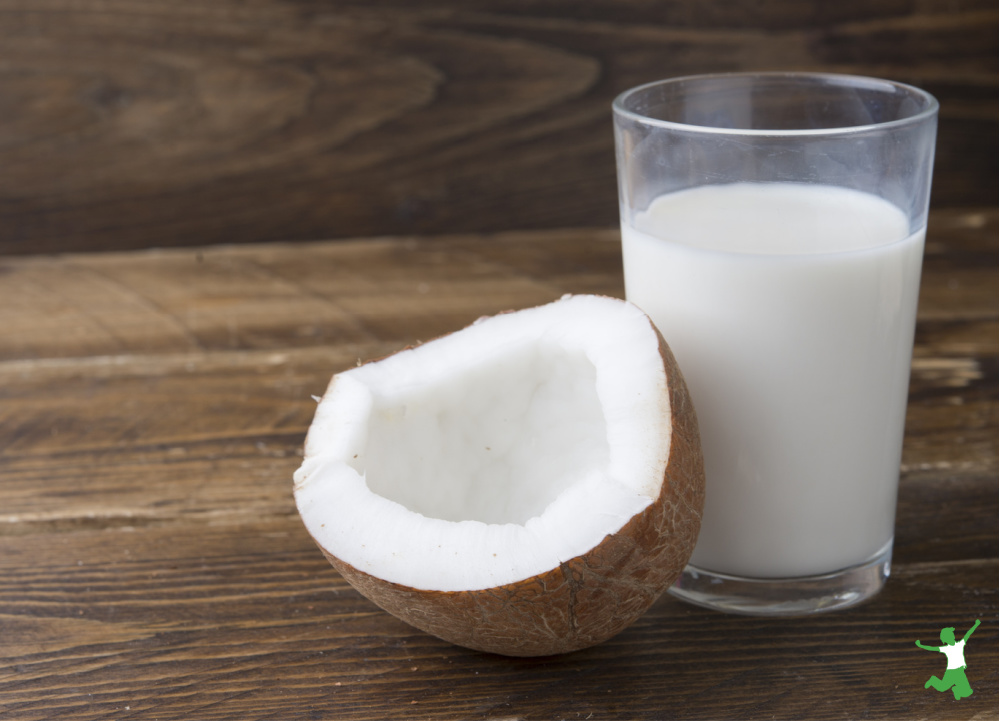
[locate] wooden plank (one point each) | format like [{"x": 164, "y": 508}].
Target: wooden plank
[
  {"x": 248, "y": 621},
  {"x": 961, "y": 250},
  {"x": 275, "y": 296},
  {"x": 139, "y": 123},
  {"x": 946, "y": 515},
  {"x": 220, "y": 433},
  {"x": 395, "y": 290}
]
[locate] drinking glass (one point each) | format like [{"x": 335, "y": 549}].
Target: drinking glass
[{"x": 773, "y": 229}]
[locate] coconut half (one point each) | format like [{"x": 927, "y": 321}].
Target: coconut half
[{"x": 527, "y": 486}]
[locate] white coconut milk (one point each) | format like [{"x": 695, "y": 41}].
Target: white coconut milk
[{"x": 790, "y": 309}]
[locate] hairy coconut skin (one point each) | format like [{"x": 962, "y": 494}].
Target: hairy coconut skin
[{"x": 589, "y": 598}]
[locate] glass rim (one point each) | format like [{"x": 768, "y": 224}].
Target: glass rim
[{"x": 932, "y": 106}]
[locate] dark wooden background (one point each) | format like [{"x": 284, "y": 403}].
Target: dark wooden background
[{"x": 136, "y": 123}]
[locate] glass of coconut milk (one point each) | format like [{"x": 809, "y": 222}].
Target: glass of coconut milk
[{"x": 773, "y": 229}]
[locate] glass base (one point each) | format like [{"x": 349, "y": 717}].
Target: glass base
[{"x": 784, "y": 596}]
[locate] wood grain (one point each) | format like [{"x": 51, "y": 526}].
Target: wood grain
[
  {"x": 139, "y": 123},
  {"x": 152, "y": 565},
  {"x": 247, "y": 622}
]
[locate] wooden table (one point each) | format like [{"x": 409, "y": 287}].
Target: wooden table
[{"x": 153, "y": 406}]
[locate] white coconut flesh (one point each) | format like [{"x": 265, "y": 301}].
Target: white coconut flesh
[{"x": 493, "y": 454}]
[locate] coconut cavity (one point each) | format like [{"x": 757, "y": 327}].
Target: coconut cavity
[
  {"x": 496, "y": 443},
  {"x": 493, "y": 454}
]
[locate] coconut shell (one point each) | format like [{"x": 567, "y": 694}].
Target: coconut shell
[{"x": 587, "y": 599}]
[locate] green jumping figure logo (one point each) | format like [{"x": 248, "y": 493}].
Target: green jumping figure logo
[{"x": 954, "y": 676}]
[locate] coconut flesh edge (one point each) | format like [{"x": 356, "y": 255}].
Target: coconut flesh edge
[{"x": 493, "y": 454}]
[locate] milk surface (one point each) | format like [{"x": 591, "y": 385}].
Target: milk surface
[{"x": 790, "y": 309}]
